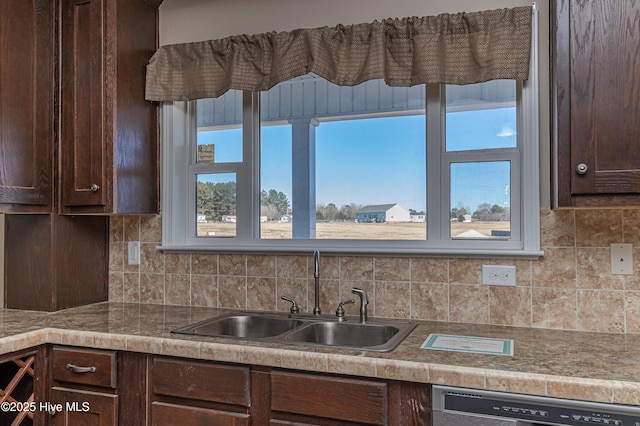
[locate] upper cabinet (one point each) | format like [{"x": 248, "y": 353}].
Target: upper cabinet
[
  {"x": 108, "y": 133},
  {"x": 27, "y": 35},
  {"x": 596, "y": 101}
]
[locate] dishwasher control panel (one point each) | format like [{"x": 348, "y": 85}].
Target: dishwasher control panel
[{"x": 533, "y": 409}]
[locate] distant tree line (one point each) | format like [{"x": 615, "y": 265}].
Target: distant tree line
[{"x": 215, "y": 200}]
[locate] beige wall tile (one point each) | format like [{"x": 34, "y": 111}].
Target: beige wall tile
[
  {"x": 430, "y": 301},
  {"x": 557, "y": 228},
  {"x": 116, "y": 257},
  {"x": 598, "y": 227},
  {"x": 601, "y": 311},
  {"x": 392, "y": 269},
  {"x": 261, "y": 293},
  {"x": 424, "y": 269},
  {"x": 465, "y": 271},
  {"x": 261, "y": 266},
  {"x": 510, "y": 306},
  {"x": 232, "y": 292},
  {"x": 554, "y": 308},
  {"x": 632, "y": 309},
  {"x": 469, "y": 303},
  {"x": 177, "y": 289},
  {"x": 151, "y": 229},
  {"x": 204, "y": 264},
  {"x": 293, "y": 267},
  {"x": 232, "y": 264},
  {"x": 152, "y": 288},
  {"x": 131, "y": 287},
  {"x": 356, "y": 268},
  {"x": 151, "y": 260},
  {"x": 116, "y": 286},
  {"x": 556, "y": 269},
  {"x": 177, "y": 263},
  {"x": 393, "y": 299},
  {"x": 116, "y": 228},
  {"x": 594, "y": 270},
  {"x": 631, "y": 226},
  {"x": 329, "y": 267},
  {"x": 204, "y": 290},
  {"x": 131, "y": 228}
]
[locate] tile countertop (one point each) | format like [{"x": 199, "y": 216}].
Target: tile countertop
[{"x": 565, "y": 364}]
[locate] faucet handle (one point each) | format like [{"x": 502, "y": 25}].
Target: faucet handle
[
  {"x": 294, "y": 306},
  {"x": 340, "y": 310}
]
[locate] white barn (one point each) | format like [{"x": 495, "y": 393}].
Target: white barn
[{"x": 383, "y": 213}]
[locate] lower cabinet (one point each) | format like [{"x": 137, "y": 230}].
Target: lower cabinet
[
  {"x": 22, "y": 386},
  {"x": 102, "y": 387},
  {"x": 191, "y": 392},
  {"x": 95, "y": 387}
]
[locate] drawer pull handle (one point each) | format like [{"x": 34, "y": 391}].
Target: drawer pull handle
[{"x": 77, "y": 369}]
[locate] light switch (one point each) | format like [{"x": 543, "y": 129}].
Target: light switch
[
  {"x": 622, "y": 259},
  {"x": 134, "y": 253}
]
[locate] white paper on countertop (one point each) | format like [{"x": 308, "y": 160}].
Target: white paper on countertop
[{"x": 471, "y": 344}]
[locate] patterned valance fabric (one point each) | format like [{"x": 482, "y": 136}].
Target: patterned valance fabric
[{"x": 458, "y": 48}]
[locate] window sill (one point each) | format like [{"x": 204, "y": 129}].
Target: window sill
[{"x": 355, "y": 251}]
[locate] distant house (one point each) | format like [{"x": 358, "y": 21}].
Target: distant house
[
  {"x": 417, "y": 217},
  {"x": 201, "y": 218},
  {"x": 229, "y": 218},
  {"x": 383, "y": 213}
]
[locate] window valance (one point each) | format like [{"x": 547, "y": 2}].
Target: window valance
[{"x": 460, "y": 48}]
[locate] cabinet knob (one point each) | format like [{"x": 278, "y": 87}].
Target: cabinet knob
[
  {"x": 94, "y": 187},
  {"x": 581, "y": 169}
]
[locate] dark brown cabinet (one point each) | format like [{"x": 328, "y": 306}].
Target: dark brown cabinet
[
  {"x": 77, "y": 141},
  {"x": 596, "y": 101},
  {"x": 196, "y": 393},
  {"x": 97, "y": 387},
  {"x": 109, "y": 133},
  {"x": 199, "y": 392},
  {"x": 27, "y": 106}
]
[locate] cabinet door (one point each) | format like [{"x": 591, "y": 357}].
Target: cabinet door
[
  {"x": 597, "y": 98},
  {"x": 79, "y": 407},
  {"x": 27, "y": 42},
  {"x": 84, "y": 103}
]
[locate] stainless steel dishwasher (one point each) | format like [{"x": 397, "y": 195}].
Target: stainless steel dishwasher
[{"x": 470, "y": 407}]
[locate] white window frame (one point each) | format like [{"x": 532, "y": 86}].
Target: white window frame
[{"x": 178, "y": 186}]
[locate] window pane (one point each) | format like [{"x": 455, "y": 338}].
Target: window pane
[
  {"x": 216, "y": 205},
  {"x": 481, "y": 116},
  {"x": 350, "y": 162},
  {"x": 480, "y": 200},
  {"x": 219, "y": 125},
  {"x": 275, "y": 182}
]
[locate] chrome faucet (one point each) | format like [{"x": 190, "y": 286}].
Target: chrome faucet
[
  {"x": 364, "y": 301},
  {"x": 316, "y": 277}
]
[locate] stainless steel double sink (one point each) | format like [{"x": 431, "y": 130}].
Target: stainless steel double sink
[{"x": 380, "y": 335}]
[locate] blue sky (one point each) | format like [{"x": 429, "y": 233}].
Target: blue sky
[{"x": 382, "y": 162}]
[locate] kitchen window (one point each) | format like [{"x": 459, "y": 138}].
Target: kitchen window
[{"x": 436, "y": 169}]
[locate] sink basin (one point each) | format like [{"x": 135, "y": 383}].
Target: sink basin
[
  {"x": 344, "y": 334},
  {"x": 376, "y": 335},
  {"x": 248, "y": 326}
]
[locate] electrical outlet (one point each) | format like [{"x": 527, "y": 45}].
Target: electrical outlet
[
  {"x": 133, "y": 253},
  {"x": 499, "y": 275},
  {"x": 622, "y": 259}
]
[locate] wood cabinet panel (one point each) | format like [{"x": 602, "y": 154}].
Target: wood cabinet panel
[
  {"x": 27, "y": 46},
  {"x": 334, "y": 397},
  {"x": 163, "y": 414},
  {"x": 193, "y": 380},
  {"x": 597, "y": 102},
  {"x": 109, "y": 134},
  {"x": 82, "y": 407}
]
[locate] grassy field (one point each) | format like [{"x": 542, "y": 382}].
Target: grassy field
[{"x": 351, "y": 230}]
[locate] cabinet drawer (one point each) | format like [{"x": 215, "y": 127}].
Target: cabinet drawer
[
  {"x": 84, "y": 366},
  {"x": 202, "y": 381},
  {"x": 169, "y": 414},
  {"x": 363, "y": 401}
]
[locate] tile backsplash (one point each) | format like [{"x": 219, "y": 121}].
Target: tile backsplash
[{"x": 570, "y": 288}]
